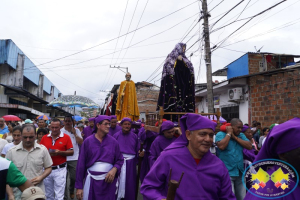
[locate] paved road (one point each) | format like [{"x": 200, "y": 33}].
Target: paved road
[{"x": 139, "y": 196}]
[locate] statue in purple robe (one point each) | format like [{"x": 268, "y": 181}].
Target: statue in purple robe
[
  {"x": 99, "y": 164},
  {"x": 177, "y": 90},
  {"x": 128, "y": 143},
  {"x": 164, "y": 139},
  {"x": 205, "y": 175},
  {"x": 87, "y": 131},
  {"x": 282, "y": 143}
]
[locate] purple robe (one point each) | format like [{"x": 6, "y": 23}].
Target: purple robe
[
  {"x": 158, "y": 145},
  {"x": 146, "y": 137},
  {"x": 249, "y": 154},
  {"x": 177, "y": 90},
  {"x": 207, "y": 180},
  {"x": 112, "y": 131},
  {"x": 281, "y": 139},
  {"x": 93, "y": 151},
  {"x": 87, "y": 131},
  {"x": 129, "y": 145}
]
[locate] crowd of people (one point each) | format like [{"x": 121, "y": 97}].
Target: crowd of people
[{"x": 101, "y": 156}]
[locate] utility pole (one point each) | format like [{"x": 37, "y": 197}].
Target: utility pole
[
  {"x": 120, "y": 69},
  {"x": 207, "y": 51}
]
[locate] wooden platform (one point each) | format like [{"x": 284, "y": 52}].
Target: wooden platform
[{"x": 153, "y": 118}]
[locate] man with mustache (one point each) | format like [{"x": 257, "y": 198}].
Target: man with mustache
[{"x": 205, "y": 175}]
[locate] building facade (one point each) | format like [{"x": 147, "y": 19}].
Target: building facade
[
  {"x": 24, "y": 90},
  {"x": 259, "y": 86}
]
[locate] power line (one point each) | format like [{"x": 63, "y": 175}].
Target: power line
[
  {"x": 128, "y": 29},
  {"x": 220, "y": 43},
  {"x": 236, "y": 20},
  {"x": 266, "y": 18},
  {"x": 215, "y": 6},
  {"x": 121, "y": 35},
  {"x": 264, "y": 33},
  {"x": 131, "y": 45},
  {"x": 227, "y": 12},
  {"x": 116, "y": 43},
  {"x": 134, "y": 31},
  {"x": 109, "y": 82}
]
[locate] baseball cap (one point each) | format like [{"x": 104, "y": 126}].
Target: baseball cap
[
  {"x": 28, "y": 121},
  {"x": 33, "y": 193}
]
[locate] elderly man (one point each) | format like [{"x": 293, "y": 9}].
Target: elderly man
[
  {"x": 113, "y": 125},
  {"x": 128, "y": 143},
  {"x": 165, "y": 138},
  {"x": 282, "y": 143},
  {"x": 231, "y": 145},
  {"x": 3, "y": 127},
  {"x": 59, "y": 146},
  {"x": 205, "y": 175},
  {"x": 32, "y": 159},
  {"x": 87, "y": 131},
  {"x": 101, "y": 160},
  {"x": 77, "y": 140}
]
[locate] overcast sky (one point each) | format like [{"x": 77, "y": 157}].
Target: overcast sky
[{"x": 48, "y": 30}]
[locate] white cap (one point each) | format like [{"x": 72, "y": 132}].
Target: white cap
[{"x": 33, "y": 193}]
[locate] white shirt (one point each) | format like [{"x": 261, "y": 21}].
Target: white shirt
[
  {"x": 75, "y": 144},
  {"x": 263, "y": 141},
  {"x": 7, "y": 147},
  {"x": 2, "y": 144}
]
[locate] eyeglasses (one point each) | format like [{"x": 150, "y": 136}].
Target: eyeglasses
[
  {"x": 106, "y": 124},
  {"x": 30, "y": 137}
]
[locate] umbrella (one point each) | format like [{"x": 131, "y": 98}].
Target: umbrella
[
  {"x": 73, "y": 101},
  {"x": 77, "y": 118},
  {"x": 45, "y": 117},
  {"x": 11, "y": 118}
]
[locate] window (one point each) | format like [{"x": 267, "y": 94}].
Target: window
[{"x": 229, "y": 113}]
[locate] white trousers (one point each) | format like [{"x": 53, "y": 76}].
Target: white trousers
[{"x": 55, "y": 184}]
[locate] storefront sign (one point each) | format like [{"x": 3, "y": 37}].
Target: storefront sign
[
  {"x": 8, "y": 105},
  {"x": 24, "y": 108}
]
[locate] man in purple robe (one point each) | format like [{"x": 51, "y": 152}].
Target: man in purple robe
[
  {"x": 205, "y": 175},
  {"x": 99, "y": 164},
  {"x": 282, "y": 143},
  {"x": 113, "y": 125},
  {"x": 128, "y": 143},
  {"x": 147, "y": 138},
  {"x": 87, "y": 131},
  {"x": 165, "y": 138}
]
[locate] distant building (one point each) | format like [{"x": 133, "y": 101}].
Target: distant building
[
  {"x": 24, "y": 89},
  {"x": 147, "y": 95},
  {"x": 260, "y": 86}
]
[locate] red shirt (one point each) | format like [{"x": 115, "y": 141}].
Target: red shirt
[{"x": 62, "y": 142}]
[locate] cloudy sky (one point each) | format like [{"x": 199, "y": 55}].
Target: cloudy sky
[{"x": 47, "y": 31}]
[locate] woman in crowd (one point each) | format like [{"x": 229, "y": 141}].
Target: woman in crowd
[
  {"x": 264, "y": 135},
  {"x": 40, "y": 134},
  {"x": 8, "y": 136}
]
